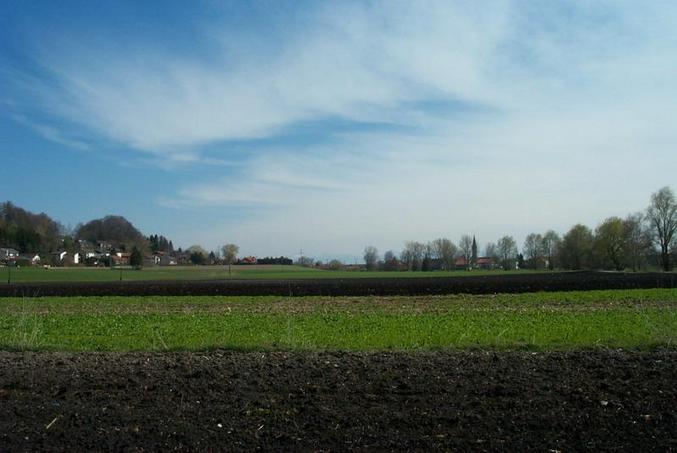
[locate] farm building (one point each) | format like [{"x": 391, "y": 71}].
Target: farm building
[
  {"x": 59, "y": 256},
  {"x": 163, "y": 259},
  {"x": 121, "y": 259},
  {"x": 160, "y": 259},
  {"x": 33, "y": 258},
  {"x": 7, "y": 253},
  {"x": 482, "y": 262},
  {"x": 166, "y": 260}
]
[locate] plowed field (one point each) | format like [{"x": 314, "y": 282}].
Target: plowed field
[
  {"x": 309, "y": 401},
  {"x": 481, "y": 284}
]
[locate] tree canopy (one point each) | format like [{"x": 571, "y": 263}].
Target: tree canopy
[
  {"x": 27, "y": 232},
  {"x": 116, "y": 230}
]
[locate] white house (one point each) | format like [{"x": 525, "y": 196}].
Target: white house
[
  {"x": 33, "y": 258},
  {"x": 166, "y": 260},
  {"x": 7, "y": 253},
  {"x": 60, "y": 255}
]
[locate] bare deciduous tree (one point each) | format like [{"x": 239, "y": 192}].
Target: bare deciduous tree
[
  {"x": 610, "y": 243},
  {"x": 390, "y": 261},
  {"x": 491, "y": 251},
  {"x": 575, "y": 249},
  {"x": 638, "y": 241},
  {"x": 465, "y": 249},
  {"x": 197, "y": 249},
  {"x": 305, "y": 261},
  {"x": 197, "y": 254},
  {"x": 412, "y": 255},
  {"x": 444, "y": 250},
  {"x": 507, "y": 252},
  {"x": 370, "y": 257},
  {"x": 230, "y": 252},
  {"x": 662, "y": 216},
  {"x": 533, "y": 251},
  {"x": 550, "y": 247}
]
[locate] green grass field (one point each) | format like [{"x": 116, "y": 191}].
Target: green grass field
[
  {"x": 636, "y": 319},
  {"x": 273, "y": 272}
]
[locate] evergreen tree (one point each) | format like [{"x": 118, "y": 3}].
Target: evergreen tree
[{"x": 473, "y": 258}]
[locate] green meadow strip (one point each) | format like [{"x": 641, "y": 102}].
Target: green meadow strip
[
  {"x": 577, "y": 300},
  {"x": 641, "y": 319},
  {"x": 537, "y": 330}
]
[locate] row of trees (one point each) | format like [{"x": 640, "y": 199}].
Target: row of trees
[
  {"x": 443, "y": 254},
  {"x": 633, "y": 242},
  {"x": 617, "y": 243},
  {"x": 158, "y": 243},
  {"x": 630, "y": 243}
]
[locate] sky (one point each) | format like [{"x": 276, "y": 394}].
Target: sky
[{"x": 329, "y": 126}]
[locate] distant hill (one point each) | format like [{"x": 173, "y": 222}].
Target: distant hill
[
  {"x": 28, "y": 232},
  {"x": 116, "y": 230}
]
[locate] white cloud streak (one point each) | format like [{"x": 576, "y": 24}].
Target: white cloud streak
[
  {"x": 51, "y": 133},
  {"x": 353, "y": 62},
  {"x": 579, "y": 121}
]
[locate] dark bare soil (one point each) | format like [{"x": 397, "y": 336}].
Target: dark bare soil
[
  {"x": 481, "y": 284},
  {"x": 466, "y": 401}
]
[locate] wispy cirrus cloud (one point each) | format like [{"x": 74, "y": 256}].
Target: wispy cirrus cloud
[
  {"x": 389, "y": 120},
  {"x": 355, "y": 61},
  {"x": 359, "y": 67}
]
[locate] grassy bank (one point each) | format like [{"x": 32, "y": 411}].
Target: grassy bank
[{"x": 541, "y": 321}]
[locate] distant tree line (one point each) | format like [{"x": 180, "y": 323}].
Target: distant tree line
[
  {"x": 634, "y": 242},
  {"x": 160, "y": 244},
  {"x": 278, "y": 260}
]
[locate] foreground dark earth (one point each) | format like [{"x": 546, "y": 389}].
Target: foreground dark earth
[{"x": 609, "y": 400}]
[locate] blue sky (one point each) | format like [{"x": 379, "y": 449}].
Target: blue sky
[{"x": 329, "y": 126}]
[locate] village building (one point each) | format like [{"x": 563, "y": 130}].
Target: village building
[
  {"x": 8, "y": 253},
  {"x": 121, "y": 259},
  {"x": 167, "y": 260},
  {"x": 247, "y": 260},
  {"x": 32, "y": 258},
  {"x": 482, "y": 262}
]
